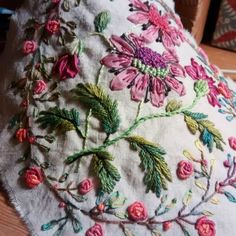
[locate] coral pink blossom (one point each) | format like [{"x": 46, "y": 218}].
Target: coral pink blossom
[
  {"x": 85, "y": 186},
  {"x": 197, "y": 72},
  {"x": 21, "y": 135},
  {"x": 32, "y": 139},
  {"x": 224, "y": 90},
  {"x": 53, "y": 26},
  {"x": 185, "y": 169},
  {"x": 205, "y": 227},
  {"x": 29, "y": 47},
  {"x": 67, "y": 66},
  {"x": 232, "y": 142},
  {"x": 33, "y": 177},
  {"x": 156, "y": 26},
  {"x": 40, "y": 86},
  {"x": 137, "y": 211},
  {"x": 96, "y": 230},
  {"x": 148, "y": 74}
]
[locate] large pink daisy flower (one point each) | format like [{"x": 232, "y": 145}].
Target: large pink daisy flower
[
  {"x": 148, "y": 74},
  {"x": 197, "y": 72},
  {"x": 156, "y": 26}
]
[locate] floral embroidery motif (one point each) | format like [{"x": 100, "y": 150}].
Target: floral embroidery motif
[
  {"x": 96, "y": 230},
  {"x": 232, "y": 143},
  {"x": 137, "y": 211},
  {"x": 85, "y": 186},
  {"x": 147, "y": 73},
  {"x": 29, "y": 47},
  {"x": 185, "y": 170},
  {"x": 205, "y": 227},
  {"x": 196, "y": 72},
  {"x": 156, "y": 25},
  {"x": 33, "y": 177}
]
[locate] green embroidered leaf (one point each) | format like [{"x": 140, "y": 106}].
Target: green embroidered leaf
[
  {"x": 77, "y": 227},
  {"x": 77, "y": 2},
  {"x": 49, "y": 225},
  {"x": 127, "y": 232},
  {"x": 187, "y": 198},
  {"x": 59, "y": 119},
  {"x": 105, "y": 171},
  {"x": 208, "y": 133},
  {"x": 201, "y": 88},
  {"x": 121, "y": 215},
  {"x": 173, "y": 105},
  {"x": 152, "y": 161},
  {"x": 230, "y": 197},
  {"x": 116, "y": 200},
  {"x": 156, "y": 232},
  {"x": 101, "y": 21},
  {"x": 66, "y": 5},
  {"x": 103, "y": 107}
]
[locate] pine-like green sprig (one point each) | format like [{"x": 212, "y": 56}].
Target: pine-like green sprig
[
  {"x": 103, "y": 107},
  {"x": 105, "y": 171},
  {"x": 157, "y": 172},
  {"x": 59, "y": 119}
]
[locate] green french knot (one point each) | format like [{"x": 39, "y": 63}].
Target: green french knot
[
  {"x": 105, "y": 171},
  {"x": 208, "y": 133},
  {"x": 156, "y": 72},
  {"x": 201, "y": 88},
  {"x": 101, "y": 21},
  {"x": 157, "y": 172},
  {"x": 102, "y": 106}
]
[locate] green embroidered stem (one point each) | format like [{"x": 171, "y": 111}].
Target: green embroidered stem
[
  {"x": 128, "y": 132},
  {"x": 139, "y": 109},
  {"x": 103, "y": 37}
]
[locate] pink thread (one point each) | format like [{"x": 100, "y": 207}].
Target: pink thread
[
  {"x": 96, "y": 230},
  {"x": 21, "y": 135},
  {"x": 205, "y": 227},
  {"x": 40, "y": 86},
  {"x": 137, "y": 211},
  {"x": 232, "y": 142},
  {"x": 185, "y": 170},
  {"x": 52, "y": 26},
  {"x": 29, "y": 47},
  {"x": 33, "y": 177},
  {"x": 85, "y": 186}
]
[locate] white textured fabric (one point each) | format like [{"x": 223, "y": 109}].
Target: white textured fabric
[{"x": 39, "y": 206}]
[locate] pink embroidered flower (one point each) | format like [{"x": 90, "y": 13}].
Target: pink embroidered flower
[
  {"x": 224, "y": 90},
  {"x": 185, "y": 170},
  {"x": 156, "y": 26},
  {"x": 67, "y": 66},
  {"x": 29, "y": 47},
  {"x": 53, "y": 26},
  {"x": 33, "y": 177},
  {"x": 32, "y": 139},
  {"x": 96, "y": 230},
  {"x": 197, "y": 72},
  {"x": 137, "y": 211},
  {"x": 148, "y": 74},
  {"x": 40, "y": 86},
  {"x": 85, "y": 186},
  {"x": 166, "y": 225},
  {"x": 21, "y": 135},
  {"x": 205, "y": 227},
  {"x": 232, "y": 143}
]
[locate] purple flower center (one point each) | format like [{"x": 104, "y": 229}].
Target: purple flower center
[{"x": 148, "y": 57}]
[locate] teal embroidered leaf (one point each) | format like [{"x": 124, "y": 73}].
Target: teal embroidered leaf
[
  {"x": 77, "y": 227},
  {"x": 105, "y": 171},
  {"x": 103, "y": 107},
  {"x": 59, "y": 119},
  {"x": 49, "y": 225},
  {"x": 208, "y": 133},
  {"x": 230, "y": 197},
  {"x": 101, "y": 21},
  {"x": 116, "y": 200},
  {"x": 173, "y": 105},
  {"x": 157, "y": 172}
]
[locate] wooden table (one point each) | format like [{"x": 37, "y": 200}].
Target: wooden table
[{"x": 10, "y": 223}]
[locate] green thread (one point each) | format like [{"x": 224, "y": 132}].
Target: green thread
[
  {"x": 89, "y": 113},
  {"x": 101, "y": 21},
  {"x": 155, "y": 72}
]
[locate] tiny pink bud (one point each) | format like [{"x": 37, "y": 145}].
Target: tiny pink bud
[
  {"x": 166, "y": 225},
  {"x": 62, "y": 205}
]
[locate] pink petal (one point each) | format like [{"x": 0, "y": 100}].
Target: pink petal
[
  {"x": 167, "y": 40},
  {"x": 191, "y": 72},
  {"x": 139, "y": 89},
  {"x": 121, "y": 45},
  {"x": 151, "y": 34},
  {"x": 138, "y": 18},
  {"x": 176, "y": 85},
  {"x": 139, "y": 41},
  {"x": 177, "y": 70},
  {"x": 158, "y": 93},
  {"x": 170, "y": 56},
  {"x": 116, "y": 61},
  {"x": 123, "y": 79},
  {"x": 212, "y": 99},
  {"x": 140, "y": 5}
]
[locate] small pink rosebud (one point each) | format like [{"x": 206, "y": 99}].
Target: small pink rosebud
[
  {"x": 40, "y": 86},
  {"x": 62, "y": 205},
  {"x": 52, "y": 26},
  {"x": 29, "y": 46},
  {"x": 227, "y": 164},
  {"x": 32, "y": 139},
  {"x": 101, "y": 207},
  {"x": 166, "y": 225},
  {"x": 85, "y": 186}
]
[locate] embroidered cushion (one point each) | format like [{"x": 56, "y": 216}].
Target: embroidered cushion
[
  {"x": 225, "y": 33},
  {"x": 115, "y": 122}
]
